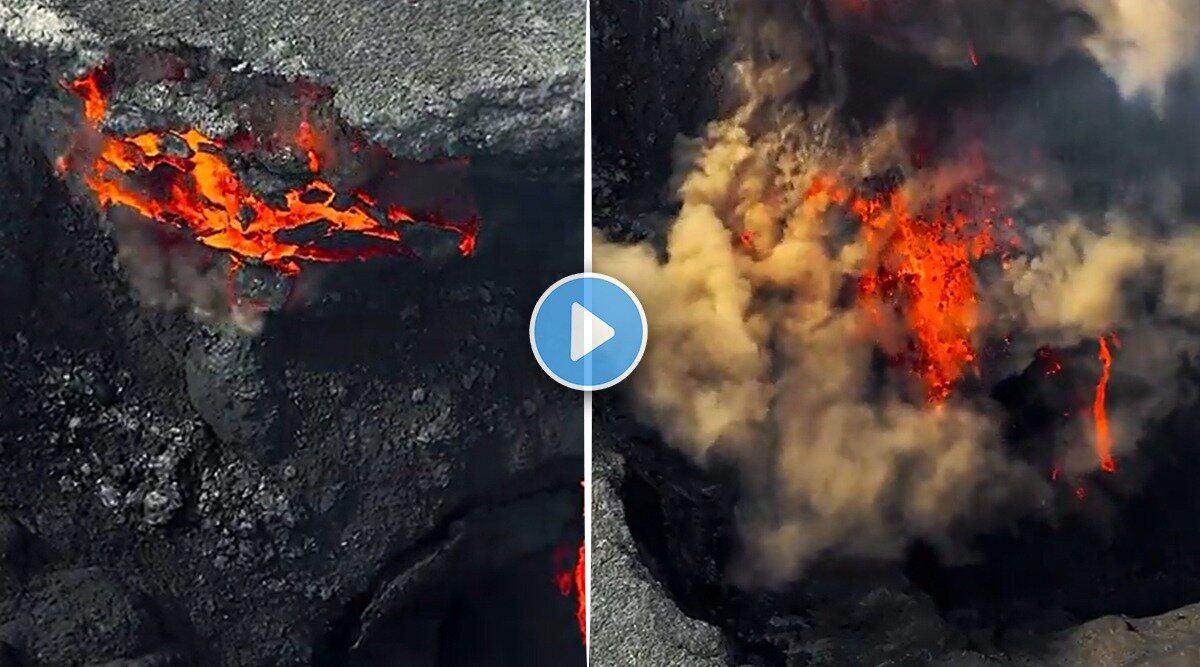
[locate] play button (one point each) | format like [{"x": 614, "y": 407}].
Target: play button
[{"x": 588, "y": 331}]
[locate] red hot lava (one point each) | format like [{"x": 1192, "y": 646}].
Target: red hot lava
[
  {"x": 1052, "y": 364},
  {"x": 192, "y": 186},
  {"x": 571, "y": 579},
  {"x": 1100, "y": 409},
  {"x": 920, "y": 268}
]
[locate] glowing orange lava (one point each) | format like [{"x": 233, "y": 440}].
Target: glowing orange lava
[
  {"x": 572, "y": 580},
  {"x": 920, "y": 267},
  {"x": 182, "y": 178},
  {"x": 1099, "y": 409}
]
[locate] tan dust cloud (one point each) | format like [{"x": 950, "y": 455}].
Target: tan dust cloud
[
  {"x": 752, "y": 359},
  {"x": 1143, "y": 44},
  {"x": 1074, "y": 283},
  {"x": 755, "y": 356}
]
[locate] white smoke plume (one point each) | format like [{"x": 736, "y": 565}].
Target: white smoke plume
[
  {"x": 1141, "y": 45},
  {"x": 757, "y": 356}
]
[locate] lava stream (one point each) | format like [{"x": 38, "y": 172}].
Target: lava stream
[
  {"x": 1099, "y": 409},
  {"x": 573, "y": 581},
  {"x": 181, "y": 178}
]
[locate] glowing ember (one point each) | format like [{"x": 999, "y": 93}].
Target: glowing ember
[
  {"x": 972, "y": 55},
  {"x": 572, "y": 580},
  {"x": 1099, "y": 409},
  {"x": 181, "y": 178},
  {"x": 921, "y": 268},
  {"x": 1051, "y": 364},
  {"x": 873, "y": 9}
]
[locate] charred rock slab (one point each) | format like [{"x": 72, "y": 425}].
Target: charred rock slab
[
  {"x": 87, "y": 618},
  {"x": 230, "y": 389}
]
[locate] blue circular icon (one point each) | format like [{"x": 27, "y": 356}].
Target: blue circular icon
[{"x": 588, "y": 331}]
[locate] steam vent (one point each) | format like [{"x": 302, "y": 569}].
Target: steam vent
[
  {"x": 920, "y": 386},
  {"x": 265, "y": 390}
]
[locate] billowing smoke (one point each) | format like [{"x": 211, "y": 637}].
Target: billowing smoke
[
  {"x": 824, "y": 310},
  {"x": 1141, "y": 45},
  {"x": 1144, "y": 44},
  {"x": 170, "y": 271}
]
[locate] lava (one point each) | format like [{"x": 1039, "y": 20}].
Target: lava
[
  {"x": 183, "y": 179},
  {"x": 1099, "y": 409},
  {"x": 920, "y": 266},
  {"x": 572, "y": 580}
]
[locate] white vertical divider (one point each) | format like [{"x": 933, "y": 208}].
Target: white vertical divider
[{"x": 587, "y": 266}]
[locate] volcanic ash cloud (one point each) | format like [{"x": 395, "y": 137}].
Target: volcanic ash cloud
[
  {"x": 819, "y": 312},
  {"x": 1142, "y": 45},
  {"x": 756, "y": 359}
]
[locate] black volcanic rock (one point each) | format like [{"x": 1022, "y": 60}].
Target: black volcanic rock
[
  {"x": 84, "y": 617},
  {"x": 639, "y": 118},
  {"x": 15, "y": 545},
  {"x": 228, "y": 386}
]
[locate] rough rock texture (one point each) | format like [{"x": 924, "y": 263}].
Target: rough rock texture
[
  {"x": 634, "y": 621},
  {"x": 424, "y": 78},
  {"x": 1113, "y": 641},
  {"x": 83, "y": 617},
  {"x": 637, "y": 125},
  {"x": 229, "y": 387}
]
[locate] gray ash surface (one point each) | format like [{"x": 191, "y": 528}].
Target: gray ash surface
[
  {"x": 383, "y": 475},
  {"x": 425, "y": 79}
]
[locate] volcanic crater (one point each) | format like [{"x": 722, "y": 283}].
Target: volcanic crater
[{"x": 1102, "y": 569}]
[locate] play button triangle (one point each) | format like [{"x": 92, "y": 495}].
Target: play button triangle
[{"x": 588, "y": 332}]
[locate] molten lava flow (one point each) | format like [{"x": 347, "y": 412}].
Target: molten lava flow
[
  {"x": 572, "y": 580},
  {"x": 581, "y": 591},
  {"x": 182, "y": 178},
  {"x": 920, "y": 267},
  {"x": 1099, "y": 409}
]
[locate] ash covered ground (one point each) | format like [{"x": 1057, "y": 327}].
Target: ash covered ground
[
  {"x": 380, "y": 474},
  {"x": 1102, "y": 573}
]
